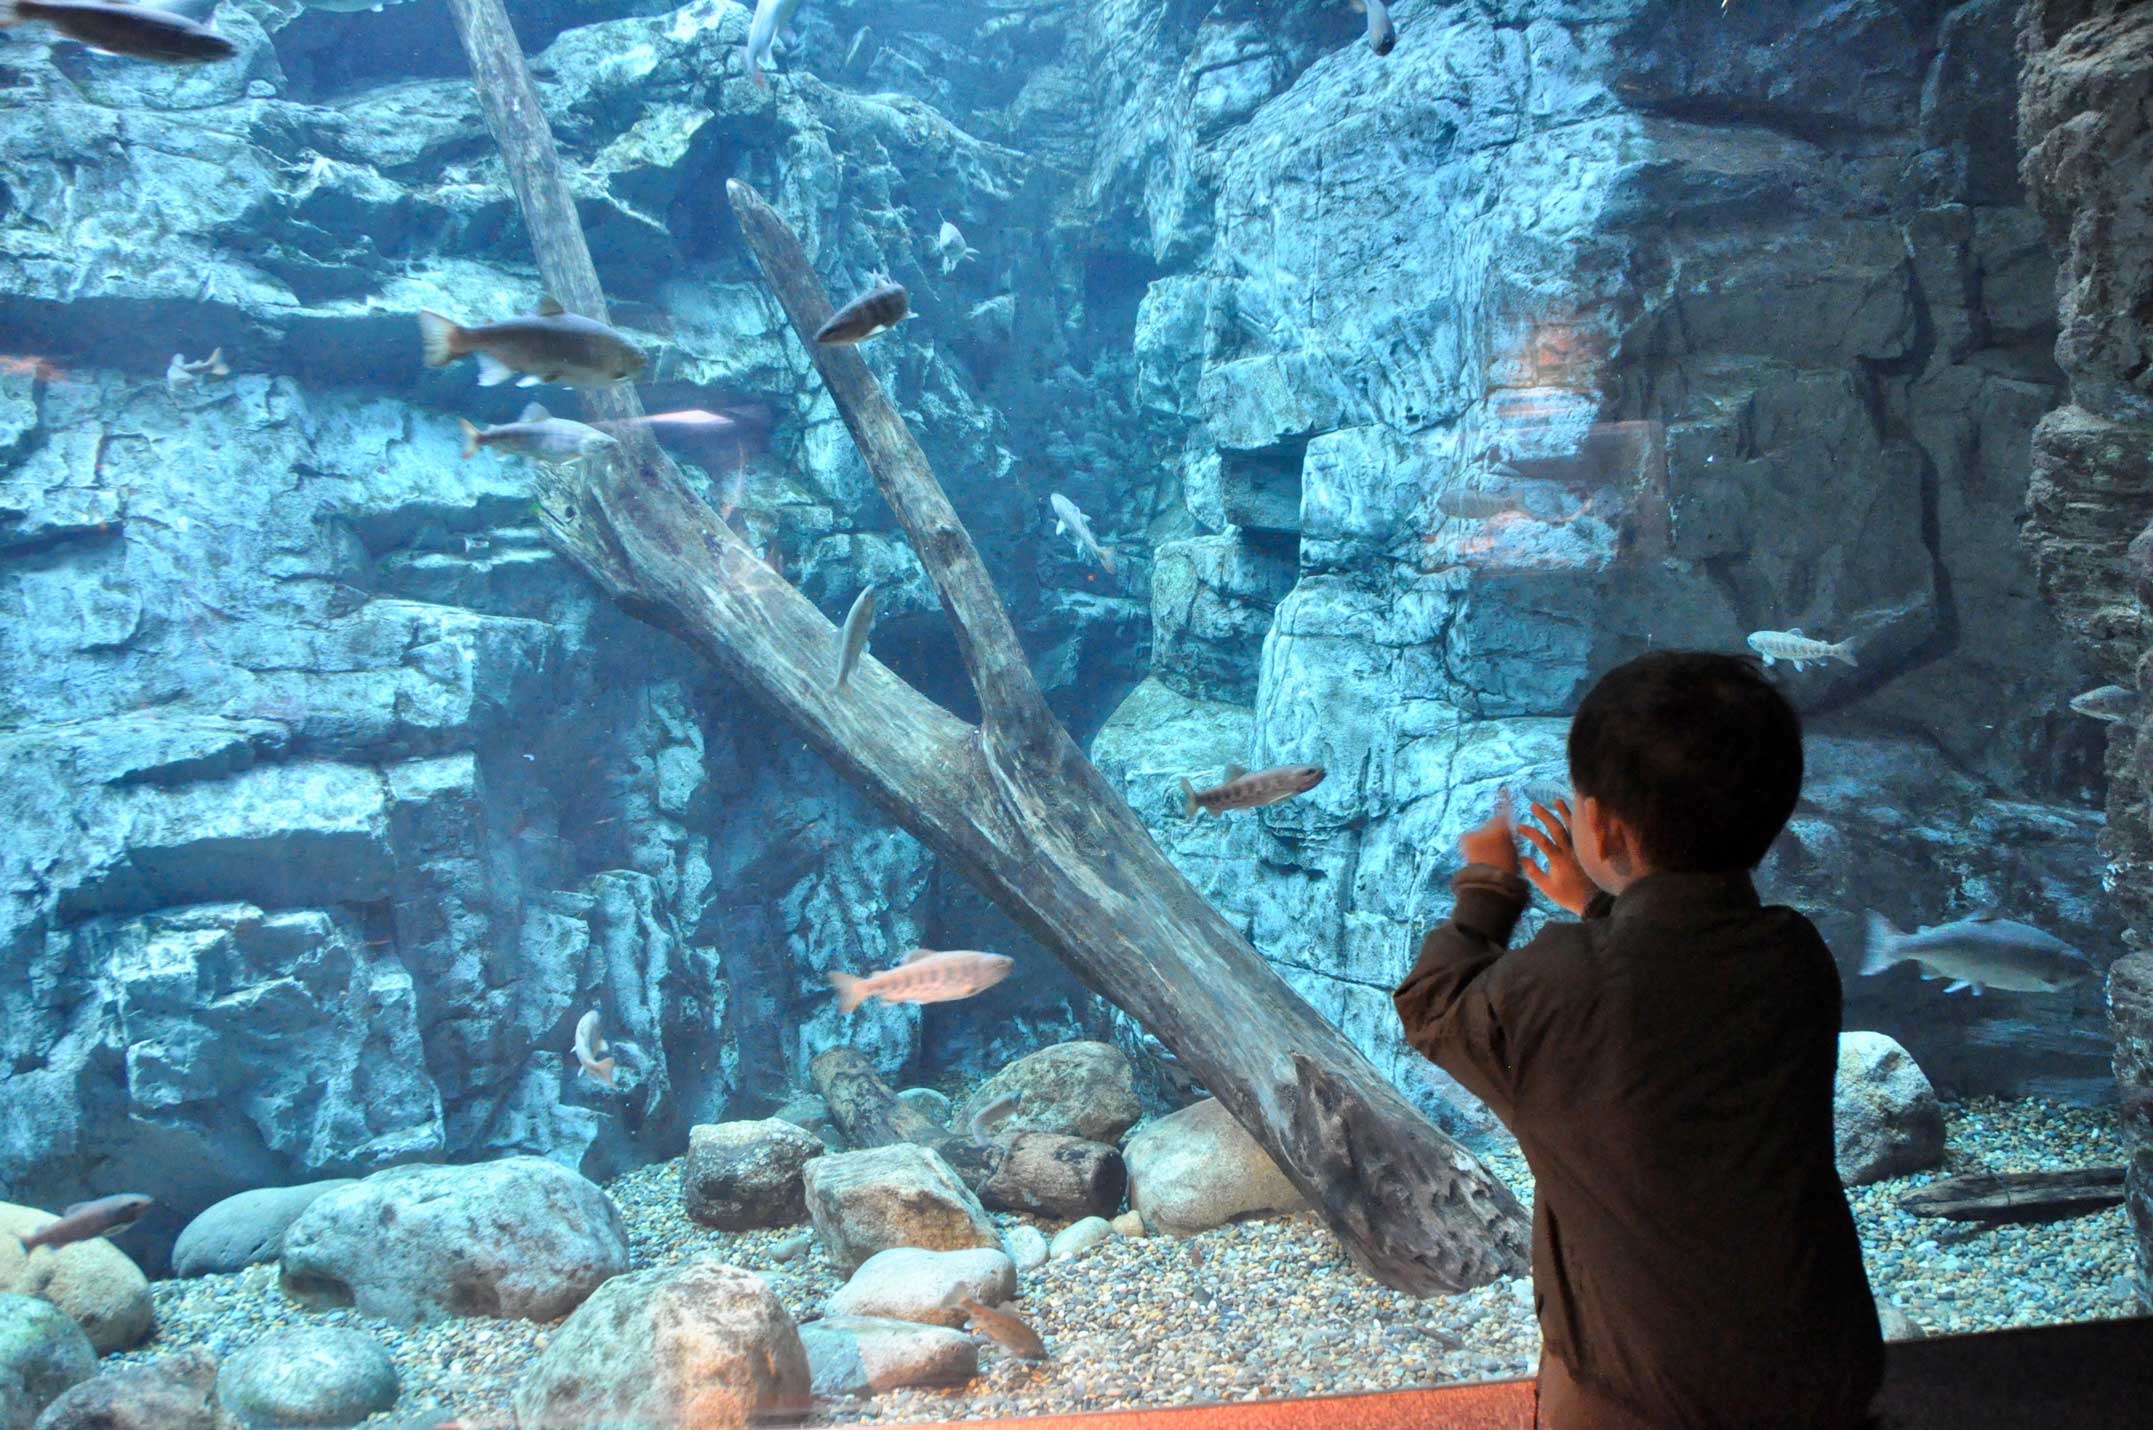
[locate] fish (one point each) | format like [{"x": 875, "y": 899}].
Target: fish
[
  {"x": 1798, "y": 649},
  {"x": 1464, "y": 504},
  {"x": 180, "y": 373},
  {"x": 1242, "y": 790},
  {"x": 139, "y": 31},
  {"x": 1985, "y": 951},
  {"x": 539, "y": 435},
  {"x": 950, "y": 244},
  {"x": 924, "y": 976},
  {"x": 852, "y": 640},
  {"x": 771, "y": 16},
  {"x": 589, "y": 1044},
  {"x": 882, "y": 307},
  {"x": 2113, "y": 703},
  {"x": 85, "y": 1220},
  {"x": 1382, "y": 34},
  {"x": 553, "y": 346},
  {"x": 993, "y": 1113},
  {"x": 1068, "y": 519},
  {"x": 862, "y": 50},
  {"x": 1005, "y": 1328}
]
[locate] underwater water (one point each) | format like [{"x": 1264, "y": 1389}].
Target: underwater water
[{"x": 527, "y": 829}]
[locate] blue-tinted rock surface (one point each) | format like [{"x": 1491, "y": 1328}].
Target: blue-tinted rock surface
[{"x": 330, "y": 798}]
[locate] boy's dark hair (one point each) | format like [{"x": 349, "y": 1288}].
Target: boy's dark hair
[{"x": 1697, "y": 752}]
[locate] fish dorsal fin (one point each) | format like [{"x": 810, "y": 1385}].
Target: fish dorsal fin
[
  {"x": 1988, "y": 915},
  {"x": 536, "y": 412},
  {"x": 1235, "y": 771},
  {"x": 74, "y": 1207},
  {"x": 914, "y": 956},
  {"x": 550, "y": 307},
  {"x": 1797, "y": 630}
]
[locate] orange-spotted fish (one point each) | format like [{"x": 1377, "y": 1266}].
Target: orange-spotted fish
[
  {"x": 924, "y": 976},
  {"x": 1243, "y": 790}
]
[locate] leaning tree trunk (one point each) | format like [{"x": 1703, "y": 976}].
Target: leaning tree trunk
[{"x": 1011, "y": 803}]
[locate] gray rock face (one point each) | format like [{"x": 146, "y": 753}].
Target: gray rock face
[
  {"x": 175, "y": 1392},
  {"x": 697, "y": 1344},
  {"x": 521, "y": 1237},
  {"x": 1081, "y": 1089},
  {"x": 309, "y": 1375},
  {"x": 1197, "y": 1168},
  {"x": 746, "y": 1174},
  {"x": 42, "y": 1353},
  {"x": 911, "y": 1284},
  {"x": 1885, "y": 1115},
  {"x": 2088, "y": 144},
  {"x": 244, "y": 1229},
  {"x": 903, "y": 1195},
  {"x": 862, "y": 1355}
]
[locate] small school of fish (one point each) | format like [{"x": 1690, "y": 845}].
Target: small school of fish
[
  {"x": 1797, "y": 649},
  {"x": 1242, "y": 790},
  {"x": 589, "y": 1044},
  {"x": 1981, "y": 952},
  {"x": 924, "y": 976}
]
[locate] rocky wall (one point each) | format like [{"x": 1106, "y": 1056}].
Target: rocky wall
[{"x": 2085, "y": 123}]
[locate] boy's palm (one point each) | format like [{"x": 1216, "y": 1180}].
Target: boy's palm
[
  {"x": 1561, "y": 877},
  {"x": 1495, "y": 841}
]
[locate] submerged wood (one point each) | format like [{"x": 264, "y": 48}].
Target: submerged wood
[
  {"x": 868, "y": 1114},
  {"x": 2018, "y": 1196},
  {"x": 1011, "y": 804},
  {"x": 1047, "y": 1174}
]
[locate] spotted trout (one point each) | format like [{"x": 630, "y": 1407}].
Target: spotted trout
[{"x": 1243, "y": 790}]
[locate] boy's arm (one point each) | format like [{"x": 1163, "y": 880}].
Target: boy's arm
[{"x": 1445, "y": 1003}]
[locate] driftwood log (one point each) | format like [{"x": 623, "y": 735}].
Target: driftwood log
[
  {"x": 2018, "y": 1196},
  {"x": 1011, "y": 803}
]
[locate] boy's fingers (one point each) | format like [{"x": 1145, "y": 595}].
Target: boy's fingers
[
  {"x": 1560, "y": 824},
  {"x": 1540, "y": 841}
]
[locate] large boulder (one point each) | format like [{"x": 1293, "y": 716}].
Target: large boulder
[
  {"x": 93, "y": 1281},
  {"x": 520, "y": 1237},
  {"x": 175, "y": 1392},
  {"x": 1886, "y": 1120},
  {"x": 1197, "y": 1168},
  {"x": 702, "y": 1344},
  {"x": 742, "y": 1175},
  {"x": 42, "y": 1353},
  {"x": 908, "y": 1284},
  {"x": 1078, "y": 1089},
  {"x": 244, "y": 1229},
  {"x": 308, "y": 1375},
  {"x": 861, "y": 1355},
  {"x": 902, "y": 1195}
]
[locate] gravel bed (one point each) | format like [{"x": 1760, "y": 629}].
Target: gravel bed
[{"x": 1258, "y": 1310}]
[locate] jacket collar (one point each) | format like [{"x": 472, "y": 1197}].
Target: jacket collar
[{"x": 1674, "y": 895}]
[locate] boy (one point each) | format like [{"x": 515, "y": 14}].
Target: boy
[{"x": 1667, "y": 1066}]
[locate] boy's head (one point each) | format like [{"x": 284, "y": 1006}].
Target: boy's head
[{"x": 1682, "y": 761}]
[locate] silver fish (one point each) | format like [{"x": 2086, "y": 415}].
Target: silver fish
[
  {"x": 1068, "y": 519},
  {"x": 950, "y": 244},
  {"x": 85, "y": 1220},
  {"x": 924, "y": 977},
  {"x": 2113, "y": 703},
  {"x": 1798, "y": 649},
  {"x": 180, "y": 373},
  {"x": 771, "y": 16},
  {"x": 553, "y": 346},
  {"x": 1981, "y": 952},
  {"x": 539, "y": 435},
  {"x": 1382, "y": 34},
  {"x": 992, "y": 1114},
  {"x": 852, "y": 640},
  {"x": 589, "y": 1044},
  {"x": 1243, "y": 790}
]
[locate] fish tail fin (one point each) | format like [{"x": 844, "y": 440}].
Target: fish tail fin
[
  {"x": 217, "y": 365},
  {"x": 442, "y": 339},
  {"x": 849, "y": 993},
  {"x": 1106, "y": 559},
  {"x": 472, "y": 439},
  {"x": 602, "y": 1069},
  {"x": 755, "y": 72},
  {"x": 1188, "y": 798},
  {"x": 1843, "y": 652},
  {"x": 1881, "y": 953}
]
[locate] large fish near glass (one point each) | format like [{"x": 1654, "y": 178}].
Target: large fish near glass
[
  {"x": 552, "y": 345},
  {"x": 1984, "y": 951}
]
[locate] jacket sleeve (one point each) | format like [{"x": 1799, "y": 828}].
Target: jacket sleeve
[{"x": 1446, "y": 1003}]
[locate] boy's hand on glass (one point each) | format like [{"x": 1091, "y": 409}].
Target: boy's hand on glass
[
  {"x": 1494, "y": 842},
  {"x": 1561, "y": 877}
]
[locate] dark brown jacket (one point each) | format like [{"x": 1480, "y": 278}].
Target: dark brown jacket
[{"x": 1667, "y": 1066}]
